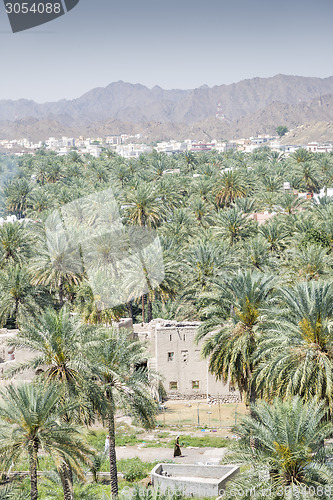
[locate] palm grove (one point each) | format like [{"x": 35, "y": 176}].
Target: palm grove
[{"x": 263, "y": 294}]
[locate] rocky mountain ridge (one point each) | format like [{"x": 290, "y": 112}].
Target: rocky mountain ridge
[{"x": 251, "y": 107}]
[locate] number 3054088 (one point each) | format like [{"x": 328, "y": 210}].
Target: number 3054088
[{"x": 35, "y": 8}]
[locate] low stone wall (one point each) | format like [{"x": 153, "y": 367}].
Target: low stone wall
[
  {"x": 211, "y": 399},
  {"x": 192, "y": 480},
  {"x": 232, "y": 398}
]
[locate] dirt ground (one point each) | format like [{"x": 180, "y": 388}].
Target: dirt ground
[
  {"x": 200, "y": 414},
  {"x": 202, "y": 456}
]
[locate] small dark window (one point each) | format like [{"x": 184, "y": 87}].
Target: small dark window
[
  {"x": 173, "y": 386},
  {"x": 171, "y": 356},
  {"x": 184, "y": 356},
  {"x": 170, "y": 337},
  {"x": 195, "y": 384}
]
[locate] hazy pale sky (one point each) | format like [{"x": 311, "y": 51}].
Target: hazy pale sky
[{"x": 174, "y": 44}]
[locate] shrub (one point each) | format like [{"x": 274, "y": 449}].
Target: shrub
[{"x": 134, "y": 469}]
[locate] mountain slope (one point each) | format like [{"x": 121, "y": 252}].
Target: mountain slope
[{"x": 137, "y": 103}]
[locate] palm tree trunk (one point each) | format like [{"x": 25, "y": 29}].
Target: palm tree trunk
[
  {"x": 67, "y": 481},
  {"x": 112, "y": 448},
  {"x": 252, "y": 397},
  {"x": 150, "y": 310},
  {"x": 16, "y": 311},
  {"x": 66, "y": 474},
  {"x": 61, "y": 293},
  {"x": 33, "y": 471},
  {"x": 143, "y": 308},
  {"x": 130, "y": 310}
]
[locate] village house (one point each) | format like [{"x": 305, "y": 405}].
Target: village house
[{"x": 177, "y": 357}]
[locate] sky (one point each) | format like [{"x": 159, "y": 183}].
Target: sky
[{"x": 173, "y": 44}]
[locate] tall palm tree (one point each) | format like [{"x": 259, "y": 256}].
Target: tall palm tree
[
  {"x": 230, "y": 187},
  {"x": 202, "y": 262},
  {"x": 275, "y": 234},
  {"x": 190, "y": 161},
  {"x": 292, "y": 204},
  {"x": 16, "y": 196},
  {"x": 92, "y": 309},
  {"x": 234, "y": 313},
  {"x": 301, "y": 155},
  {"x": 120, "y": 172},
  {"x": 38, "y": 200},
  {"x": 15, "y": 244},
  {"x": 289, "y": 457},
  {"x": 113, "y": 361},
  {"x": 201, "y": 210},
  {"x": 57, "y": 261},
  {"x": 143, "y": 207},
  {"x": 233, "y": 225},
  {"x": 296, "y": 351},
  {"x": 308, "y": 176},
  {"x": 310, "y": 262},
  {"x": 58, "y": 340},
  {"x": 54, "y": 171},
  {"x": 19, "y": 300},
  {"x": 257, "y": 255},
  {"x": 33, "y": 424}
]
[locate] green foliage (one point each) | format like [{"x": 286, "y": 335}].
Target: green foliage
[
  {"x": 281, "y": 130},
  {"x": 289, "y": 450},
  {"x": 261, "y": 290},
  {"x": 295, "y": 354},
  {"x": 124, "y": 437},
  {"x": 316, "y": 236},
  {"x": 134, "y": 469},
  {"x": 203, "y": 442}
]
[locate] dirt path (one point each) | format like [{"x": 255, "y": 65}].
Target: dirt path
[{"x": 190, "y": 455}]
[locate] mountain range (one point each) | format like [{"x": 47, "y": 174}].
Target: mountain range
[{"x": 250, "y": 107}]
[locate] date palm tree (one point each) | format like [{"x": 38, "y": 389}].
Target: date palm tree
[
  {"x": 233, "y": 225},
  {"x": 202, "y": 262},
  {"x": 289, "y": 458},
  {"x": 310, "y": 262},
  {"x": 230, "y": 187},
  {"x": 15, "y": 244},
  {"x": 143, "y": 207},
  {"x": 308, "y": 176},
  {"x": 234, "y": 313},
  {"x": 19, "y": 300},
  {"x": 91, "y": 308},
  {"x": 39, "y": 201},
  {"x": 257, "y": 255},
  {"x": 114, "y": 360},
  {"x": 58, "y": 340},
  {"x": 32, "y": 414},
  {"x": 16, "y": 196},
  {"x": 295, "y": 354},
  {"x": 275, "y": 234},
  {"x": 291, "y": 204},
  {"x": 57, "y": 261}
]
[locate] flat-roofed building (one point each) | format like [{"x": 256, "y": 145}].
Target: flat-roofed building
[{"x": 177, "y": 357}]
